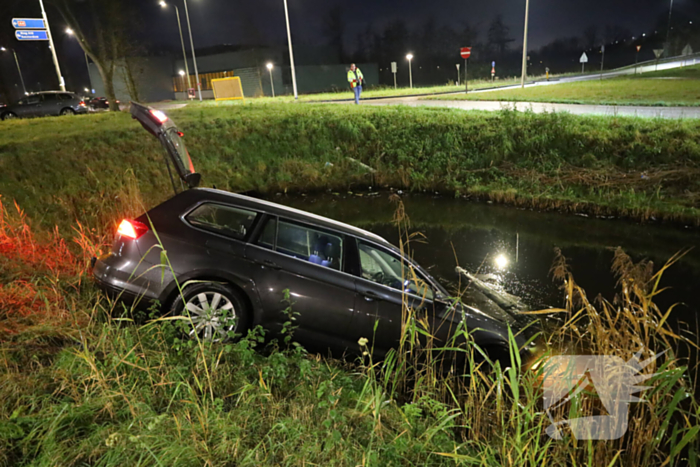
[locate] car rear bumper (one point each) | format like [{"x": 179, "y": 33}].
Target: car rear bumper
[{"x": 111, "y": 274}]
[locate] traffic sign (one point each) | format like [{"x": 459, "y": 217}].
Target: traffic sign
[
  {"x": 28, "y": 23},
  {"x": 639, "y": 47},
  {"x": 465, "y": 52},
  {"x": 584, "y": 58},
  {"x": 658, "y": 52},
  {"x": 34, "y": 35},
  {"x": 393, "y": 67},
  {"x": 493, "y": 64}
]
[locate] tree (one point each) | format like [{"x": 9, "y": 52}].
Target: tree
[
  {"x": 99, "y": 26},
  {"x": 498, "y": 35},
  {"x": 590, "y": 37},
  {"x": 334, "y": 30}
]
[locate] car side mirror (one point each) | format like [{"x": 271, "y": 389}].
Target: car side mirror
[{"x": 193, "y": 179}]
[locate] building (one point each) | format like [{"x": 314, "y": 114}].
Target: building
[{"x": 164, "y": 78}]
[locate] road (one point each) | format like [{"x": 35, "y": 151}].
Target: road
[{"x": 540, "y": 107}]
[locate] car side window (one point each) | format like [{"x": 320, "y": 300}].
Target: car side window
[
  {"x": 304, "y": 243},
  {"x": 49, "y": 97},
  {"x": 66, "y": 97},
  {"x": 224, "y": 220},
  {"x": 33, "y": 100},
  {"x": 388, "y": 269}
]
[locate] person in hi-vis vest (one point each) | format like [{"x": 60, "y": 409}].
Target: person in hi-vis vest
[{"x": 356, "y": 80}]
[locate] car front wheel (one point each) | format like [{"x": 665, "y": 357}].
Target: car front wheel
[
  {"x": 213, "y": 311},
  {"x": 67, "y": 112},
  {"x": 9, "y": 116}
]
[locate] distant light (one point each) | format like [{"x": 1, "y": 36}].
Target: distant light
[
  {"x": 2, "y": 49},
  {"x": 163, "y": 4},
  {"x": 409, "y": 57},
  {"x": 644, "y": 35},
  {"x": 87, "y": 90},
  {"x": 69, "y": 31},
  {"x": 501, "y": 261},
  {"x": 182, "y": 73},
  {"x": 269, "y": 66}
]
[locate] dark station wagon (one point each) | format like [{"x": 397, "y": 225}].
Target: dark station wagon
[{"x": 237, "y": 255}]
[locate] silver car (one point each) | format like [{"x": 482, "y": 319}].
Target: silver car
[{"x": 44, "y": 104}]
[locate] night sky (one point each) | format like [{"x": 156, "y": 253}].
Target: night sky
[{"x": 262, "y": 21}]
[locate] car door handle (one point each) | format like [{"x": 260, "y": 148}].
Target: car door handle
[
  {"x": 270, "y": 264},
  {"x": 371, "y": 296}
]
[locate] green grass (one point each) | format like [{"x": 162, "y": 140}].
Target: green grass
[
  {"x": 645, "y": 89},
  {"x": 60, "y": 170}
]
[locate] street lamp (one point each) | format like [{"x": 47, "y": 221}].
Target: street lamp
[
  {"x": 19, "y": 70},
  {"x": 409, "y": 57},
  {"x": 527, "y": 18},
  {"x": 182, "y": 41},
  {"x": 291, "y": 50},
  {"x": 272, "y": 83},
  {"x": 69, "y": 31}
]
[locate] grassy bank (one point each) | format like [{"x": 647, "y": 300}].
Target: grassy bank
[
  {"x": 82, "y": 383},
  {"x": 60, "y": 170},
  {"x": 678, "y": 87}
]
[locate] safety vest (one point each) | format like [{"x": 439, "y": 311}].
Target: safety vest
[{"x": 353, "y": 80}]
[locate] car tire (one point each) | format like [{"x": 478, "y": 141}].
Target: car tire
[
  {"x": 231, "y": 314},
  {"x": 67, "y": 111},
  {"x": 9, "y": 116}
]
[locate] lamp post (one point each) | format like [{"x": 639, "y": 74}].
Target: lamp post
[
  {"x": 527, "y": 18},
  {"x": 182, "y": 42},
  {"x": 272, "y": 83},
  {"x": 70, "y": 32},
  {"x": 668, "y": 31},
  {"x": 61, "y": 81},
  {"x": 194, "y": 58},
  {"x": 409, "y": 57},
  {"x": 291, "y": 50},
  {"x": 19, "y": 70}
]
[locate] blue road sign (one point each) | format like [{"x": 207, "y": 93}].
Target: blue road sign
[
  {"x": 28, "y": 23},
  {"x": 31, "y": 35},
  {"x": 493, "y": 64}
]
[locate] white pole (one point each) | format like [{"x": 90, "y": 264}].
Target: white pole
[
  {"x": 291, "y": 51},
  {"x": 20, "y": 71},
  {"x": 61, "y": 82},
  {"x": 410, "y": 73},
  {"x": 458, "y": 76},
  {"x": 194, "y": 58},
  {"x": 527, "y": 17},
  {"x": 184, "y": 54},
  {"x": 272, "y": 83}
]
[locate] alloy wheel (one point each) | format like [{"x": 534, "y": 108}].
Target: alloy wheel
[{"x": 213, "y": 316}]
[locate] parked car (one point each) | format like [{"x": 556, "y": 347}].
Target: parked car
[
  {"x": 43, "y": 104},
  {"x": 236, "y": 256},
  {"x": 100, "y": 103}
]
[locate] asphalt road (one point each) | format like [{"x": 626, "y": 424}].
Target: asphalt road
[{"x": 540, "y": 107}]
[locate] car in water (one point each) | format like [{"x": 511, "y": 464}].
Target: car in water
[
  {"x": 236, "y": 262},
  {"x": 44, "y": 104}
]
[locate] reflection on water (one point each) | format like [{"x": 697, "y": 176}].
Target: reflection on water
[{"x": 515, "y": 248}]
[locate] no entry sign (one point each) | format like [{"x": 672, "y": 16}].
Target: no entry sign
[{"x": 466, "y": 52}]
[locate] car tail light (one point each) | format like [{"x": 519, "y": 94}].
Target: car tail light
[
  {"x": 159, "y": 116},
  {"x": 132, "y": 229},
  {"x": 82, "y": 103}
]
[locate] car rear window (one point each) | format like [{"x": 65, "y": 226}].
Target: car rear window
[
  {"x": 224, "y": 220},
  {"x": 305, "y": 243}
]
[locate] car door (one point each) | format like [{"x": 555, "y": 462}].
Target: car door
[
  {"x": 308, "y": 262},
  {"x": 49, "y": 105},
  {"x": 28, "y": 107},
  {"x": 160, "y": 126},
  {"x": 387, "y": 287}
]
